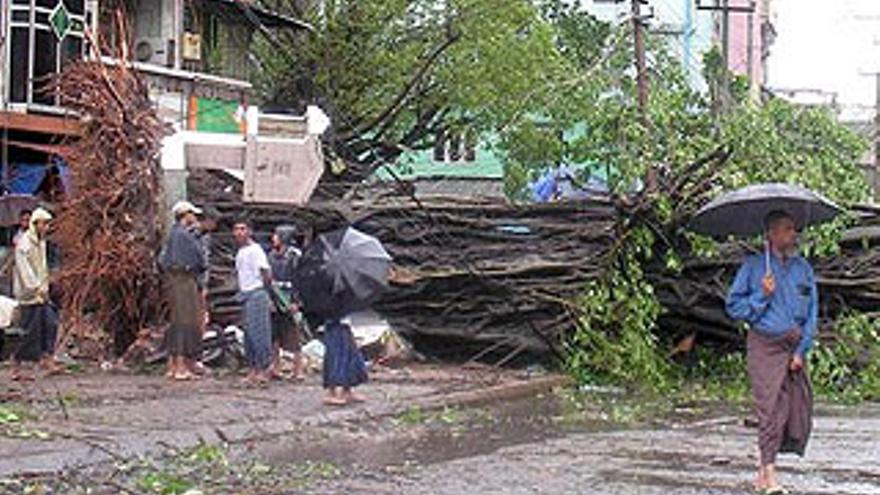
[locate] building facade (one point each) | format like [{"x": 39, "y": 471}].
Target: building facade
[
  {"x": 194, "y": 54},
  {"x": 751, "y": 35}
]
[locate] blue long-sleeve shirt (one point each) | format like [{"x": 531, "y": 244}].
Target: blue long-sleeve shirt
[
  {"x": 182, "y": 251},
  {"x": 794, "y": 303}
]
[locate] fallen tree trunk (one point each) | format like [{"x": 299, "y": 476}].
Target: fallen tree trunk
[{"x": 480, "y": 274}]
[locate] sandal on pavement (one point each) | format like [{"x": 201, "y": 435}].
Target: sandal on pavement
[
  {"x": 336, "y": 402},
  {"x": 775, "y": 490},
  {"x": 184, "y": 376}
]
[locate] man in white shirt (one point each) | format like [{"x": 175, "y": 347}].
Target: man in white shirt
[{"x": 254, "y": 275}]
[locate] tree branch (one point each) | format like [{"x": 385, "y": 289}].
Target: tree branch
[{"x": 396, "y": 105}]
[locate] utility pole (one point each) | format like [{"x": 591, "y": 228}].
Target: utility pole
[
  {"x": 726, "y": 9},
  {"x": 642, "y": 79},
  {"x": 638, "y": 23},
  {"x": 876, "y": 136},
  {"x": 641, "y": 68},
  {"x": 642, "y": 83},
  {"x": 725, "y": 56}
]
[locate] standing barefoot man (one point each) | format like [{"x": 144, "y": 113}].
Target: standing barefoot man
[
  {"x": 183, "y": 262},
  {"x": 776, "y": 295},
  {"x": 254, "y": 276}
]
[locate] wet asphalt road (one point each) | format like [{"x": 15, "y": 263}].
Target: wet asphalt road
[
  {"x": 713, "y": 456},
  {"x": 545, "y": 443}
]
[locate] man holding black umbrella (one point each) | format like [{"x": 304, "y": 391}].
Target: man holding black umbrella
[
  {"x": 775, "y": 293},
  {"x": 340, "y": 273}
]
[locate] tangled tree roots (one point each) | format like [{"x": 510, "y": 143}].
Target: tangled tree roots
[{"x": 109, "y": 227}]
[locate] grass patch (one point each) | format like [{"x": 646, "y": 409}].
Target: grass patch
[
  {"x": 207, "y": 468},
  {"x": 415, "y": 415},
  {"x": 164, "y": 483},
  {"x": 9, "y": 416}
]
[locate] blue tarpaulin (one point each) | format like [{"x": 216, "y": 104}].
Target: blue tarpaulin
[
  {"x": 560, "y": 183},
  {"x": 26, "y": 178}
]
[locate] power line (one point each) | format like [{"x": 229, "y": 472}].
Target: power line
[{"x": 725, "y": 8}]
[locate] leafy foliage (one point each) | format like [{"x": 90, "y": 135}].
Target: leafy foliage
[
  {"x": 396, "y": 74},
  {"x": 615, "y": 340},
  {"x": 596, "y": 122},
  {"x": 589, "y": 114},
  {"x": 848, "y": 367},
  {"x": 781, "y": 142}
]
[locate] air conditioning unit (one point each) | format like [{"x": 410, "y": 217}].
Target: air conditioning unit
[
  {"x": 155, "y": 36},
  {"x": 192, "y": 46},
  {"x": 150, "y": 51}
]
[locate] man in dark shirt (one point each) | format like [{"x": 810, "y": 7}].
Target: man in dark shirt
[
  {"x": 183, "y": 262},
  {"x": 283, "y": 257}
]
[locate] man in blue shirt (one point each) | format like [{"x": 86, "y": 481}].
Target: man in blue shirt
[{"x": 775, "y": 293}]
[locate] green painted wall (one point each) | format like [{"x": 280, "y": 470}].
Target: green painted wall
[{"x": 217, "y": 116}]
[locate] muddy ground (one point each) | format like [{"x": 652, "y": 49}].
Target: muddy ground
[{"x": 425, "y": 430}]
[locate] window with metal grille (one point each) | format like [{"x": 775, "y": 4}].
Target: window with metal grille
[
  {"x": 454, "y": 147},
  {"x": 44, "y": 36}
]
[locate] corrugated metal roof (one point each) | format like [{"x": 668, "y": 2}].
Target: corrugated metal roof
[
  {"x": 421, "y": 165},
  {"x": 264, "y": 16}
]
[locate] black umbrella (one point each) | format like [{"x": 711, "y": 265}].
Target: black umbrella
[
  {"x": 742, "y": 212},
  {"x": 342, "y": 272}
]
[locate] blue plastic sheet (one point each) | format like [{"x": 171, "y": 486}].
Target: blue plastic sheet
[
  {"x": 26, "y": 178},
  {"x": 559, "y": 183}
]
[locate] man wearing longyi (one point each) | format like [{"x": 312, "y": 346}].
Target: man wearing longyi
[{"x": 775, "y": 293}]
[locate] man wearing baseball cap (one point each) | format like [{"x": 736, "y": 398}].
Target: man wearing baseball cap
[
  {"x": 183, "y": 261},
  {"x": 31, "y": 288}
]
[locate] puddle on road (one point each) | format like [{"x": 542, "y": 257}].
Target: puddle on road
[{"x": 422, "y": 438}]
